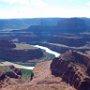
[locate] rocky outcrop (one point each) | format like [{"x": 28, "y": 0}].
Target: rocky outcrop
[
  {"x": 44, "y": 80},
  {"x": 73, "y": 67}
]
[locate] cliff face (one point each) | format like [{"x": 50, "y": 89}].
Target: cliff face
[{"x": 74, "y": 68}]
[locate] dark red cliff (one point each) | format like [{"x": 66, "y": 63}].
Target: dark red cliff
[{"x": 74, "y": 68}]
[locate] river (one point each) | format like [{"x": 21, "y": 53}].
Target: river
[
  {"x": 31, "y": 67},
  {"x": 48, "y": 50}
]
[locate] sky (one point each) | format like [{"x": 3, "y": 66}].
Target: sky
[{"x": 44, "y": 8}]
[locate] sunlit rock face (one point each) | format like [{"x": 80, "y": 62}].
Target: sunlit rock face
[{"x": 73, "y": 68}]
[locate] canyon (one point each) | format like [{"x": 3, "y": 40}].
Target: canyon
[{"x": 70, "y": 71}]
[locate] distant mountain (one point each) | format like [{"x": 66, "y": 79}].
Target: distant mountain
[
  {"x": 6, "y": 24},
  {"x": 73, "y": 25},
  {"x": 73, "y": 32},
  {"x": 46, "y": 24},
  {"x": 10, "y": 24}
]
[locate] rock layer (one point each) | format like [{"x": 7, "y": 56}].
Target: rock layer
[{"x": 74, "y": 68}]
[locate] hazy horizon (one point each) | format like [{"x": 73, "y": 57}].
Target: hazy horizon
[
  {"x": 10, "y": 9},
  {"x": 42, "y": 18}
]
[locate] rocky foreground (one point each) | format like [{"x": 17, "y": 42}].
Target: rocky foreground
[
  {"x": 42, "y": 80},
  {"x": 70, "y": 71}
]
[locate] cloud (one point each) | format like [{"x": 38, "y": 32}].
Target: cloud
[
  {"x": 20, "y": 2},
  {"x": 25, "y": 8},
  {"x": 38, "y": 3},
  {"x": 39, "y": 8},
  {"x": 88, "y": 4}
]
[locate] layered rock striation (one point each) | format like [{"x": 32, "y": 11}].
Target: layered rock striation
[{"x": 74, "y": 68}]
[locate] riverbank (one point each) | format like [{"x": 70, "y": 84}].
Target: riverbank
[{"x": 6, "y": 63}]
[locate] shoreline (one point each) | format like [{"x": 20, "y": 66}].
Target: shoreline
[{"x": 6, "y": 63}]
